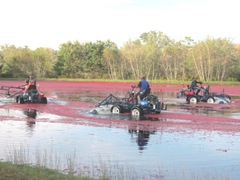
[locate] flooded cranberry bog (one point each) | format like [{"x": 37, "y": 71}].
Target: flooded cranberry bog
[{"x": 186, "y": 141}]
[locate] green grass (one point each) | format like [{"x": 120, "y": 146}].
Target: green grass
[
  {"x": 24, "y": 172},
  {"x": 48, "y": 164},
  {"x": 160, "y": 81}
]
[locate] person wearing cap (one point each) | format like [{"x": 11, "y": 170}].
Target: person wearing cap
[{"x": 143, "y": 86}]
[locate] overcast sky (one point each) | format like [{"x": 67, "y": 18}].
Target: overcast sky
[{"x": 49, "y": 23}]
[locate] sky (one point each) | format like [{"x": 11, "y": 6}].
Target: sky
[{"x": 50, "y": 23}]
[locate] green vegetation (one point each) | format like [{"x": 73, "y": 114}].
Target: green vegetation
[
  {"x": 25, "y": 172},
  {"x": 153, "y": 54},
  {"x": 162, "y": 81},
  {"x": 48, "y": 164}
]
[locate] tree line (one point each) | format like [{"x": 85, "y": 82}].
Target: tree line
[{"x": 153, "y": 54}]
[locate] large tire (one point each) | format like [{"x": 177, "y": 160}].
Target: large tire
[
  {"x": 158, "y": 108},
  {"x": 31, "y": 98},
  {"x": 44, "y": 100},
  {"x": 20, "y": 100},
  {"x": 136, "y": 111},
  {"x": 17, "y": 99},
  {"x": 157, "y": 111},
  {"x": 163, "y": 106},
  {"x": 116, "y": 109},
  {"x": 210, "y": 100},
  {"x": 193, "y": 100}
]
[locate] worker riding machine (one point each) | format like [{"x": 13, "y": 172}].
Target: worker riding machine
[
  {"x": 204, "y": 95},
  {"x": 148, "y": 103},
  {"x": 31, "y": 95}
]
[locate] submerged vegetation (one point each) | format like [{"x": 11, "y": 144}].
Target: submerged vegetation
[{"x": 153, "y": 54}]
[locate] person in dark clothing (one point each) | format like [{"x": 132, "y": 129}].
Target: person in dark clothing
[
  {"x": 144, "y": 87},
  {"x": 194, "y": 85},
  {"x": 31, "y": 79}
]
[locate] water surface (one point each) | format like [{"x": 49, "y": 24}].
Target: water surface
[{"x": 41, "y": 137}]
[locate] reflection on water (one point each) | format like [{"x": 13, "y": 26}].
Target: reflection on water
[
  {"x": 103, "y": 113},
  {"x": 146, "y": 118},
  {"x": 31, "y": 123},
  {"x": 32, "y": 113},
  {"x": 141, "y": 137},
  {"x": 172, "y": 154},
  {"x": 151, "y": 153}
]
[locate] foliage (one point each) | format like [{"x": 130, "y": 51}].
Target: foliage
[
  {"x": 153, "y": 54},
  {"x": 21, "y": 62},
  {"x": 212, "y": 59}
]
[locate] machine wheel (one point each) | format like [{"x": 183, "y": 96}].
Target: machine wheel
[
  {"x": 163, "y": 106},
  {"x": 16, "y": 99},
  {"x": 157, "y": 111},
  {"x": 116, "y": 109},
  {"x": 136, "y": 111},
  {"x": 210, "y": 100},
  {"x": 31, "y": 98},
  {"x": 20, "y": 100},
  {"x": 44, "y": 100},
  {"x": 158, "y": 108},
  {"x": 193, "y": 100}
]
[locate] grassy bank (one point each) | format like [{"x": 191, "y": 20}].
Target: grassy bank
[
  {"x": 25, "y": 172},
  {"x": 48, "y": 164},
  {"x": 160, "y": 81}
]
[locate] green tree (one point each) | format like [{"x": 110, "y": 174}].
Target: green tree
[
  {"x": 112, "y": 59},
  {"x": 17, "y": 62},
  {"x": 235, "y": 70},
  {"x": 154, "y": 44},
  {"x": 211, "y": 59},
  {"x": 45, "y": 60},
  {"x": 174, "y": 60},
  {"x": 70, "y": 60}
]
